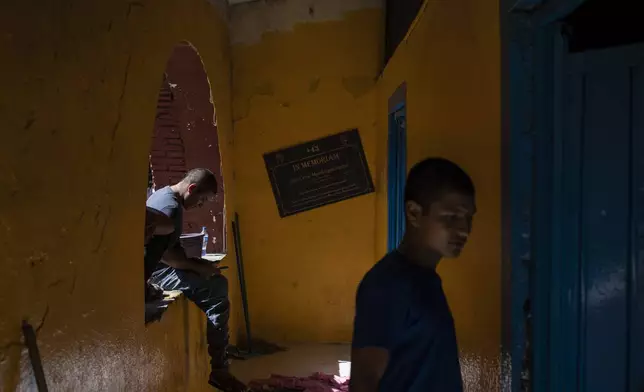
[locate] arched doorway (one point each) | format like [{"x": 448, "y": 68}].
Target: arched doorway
[{"x": 185, "y": 137}]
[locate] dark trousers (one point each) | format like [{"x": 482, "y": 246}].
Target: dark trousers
[{"x": 211, "y": 296}]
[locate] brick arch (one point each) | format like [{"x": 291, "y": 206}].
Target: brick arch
[{"x": 185, "y": 137}]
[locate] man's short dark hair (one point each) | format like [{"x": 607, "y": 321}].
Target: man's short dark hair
[
  {"x": 430, "y": 179},
  {"x": 203, "y": 178}
]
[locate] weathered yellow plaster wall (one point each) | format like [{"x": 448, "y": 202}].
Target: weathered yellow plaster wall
[
  {"x": 303, "y": 70},
  {"x": 80, "y": 84},
  {"x": 450, "y": 61}
]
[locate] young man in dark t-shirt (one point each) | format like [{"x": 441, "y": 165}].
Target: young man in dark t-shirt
[
  {"x": 168, "y": 267},
  {"x": 404, "y": 338}
]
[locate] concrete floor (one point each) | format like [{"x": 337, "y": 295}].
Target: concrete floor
[{"x": 299, "y": 360}]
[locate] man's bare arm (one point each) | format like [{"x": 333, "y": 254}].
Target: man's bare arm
[{"x": 367, "y": 368}]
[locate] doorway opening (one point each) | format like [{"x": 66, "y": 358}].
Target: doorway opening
[{"x": 185, "y": 137}]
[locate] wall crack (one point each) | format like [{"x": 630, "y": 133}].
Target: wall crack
[
  {"x": 119, "y": 114},
  {"x": 101, "y": 236}
]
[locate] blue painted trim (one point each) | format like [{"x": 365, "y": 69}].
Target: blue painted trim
[
  {"x": 565, "y": 214},
  {"x": 518, "y": 168},
  {"x": 540, "y": 267},
  {"x": 402, "y": 178},
  {"x": 531, "y": 182},
  {"x": 631, "y": 279},
  {"x": 392, "y": 147},
  {"x": 397, "y": 107},
  {"x": 637, "y": 264},
  {"x": 517, "y": 150},
  {"x": 396, "y": 176},
  {"x": 556, "y": 291}
]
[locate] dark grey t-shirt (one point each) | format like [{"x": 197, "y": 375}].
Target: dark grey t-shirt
[
  {"x": 165, "y": 201},
  {"x": 401, "y": 307}
]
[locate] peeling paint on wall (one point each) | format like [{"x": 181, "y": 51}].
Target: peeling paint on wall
[
  {"x": 249, "y": 21},
  {"x": 289, "y": 87},
  {"x": 358, "y": 85}
]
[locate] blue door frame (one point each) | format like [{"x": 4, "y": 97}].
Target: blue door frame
[
  {"x": 396, "y": 167},
  {"x": 531, "y": 140},
  {"x": 544, "y": 249}
]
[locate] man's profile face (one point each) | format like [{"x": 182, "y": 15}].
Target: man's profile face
[
  {"x": 447, "y": 225},
  {"x": 444, "y": 225}
]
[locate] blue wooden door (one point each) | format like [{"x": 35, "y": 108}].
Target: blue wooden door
[
  {"x": 396, "y": 175},
  {"x": 599, "y": 249}
]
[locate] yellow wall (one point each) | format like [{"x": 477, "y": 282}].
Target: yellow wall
[
  {"x": 80, "y": 82},
  {"x": 293, "y": 82},
  {"x": 451, "y": 64}
]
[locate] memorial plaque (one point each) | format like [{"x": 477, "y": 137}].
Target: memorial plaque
[{"x": 317, "y": 173}]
